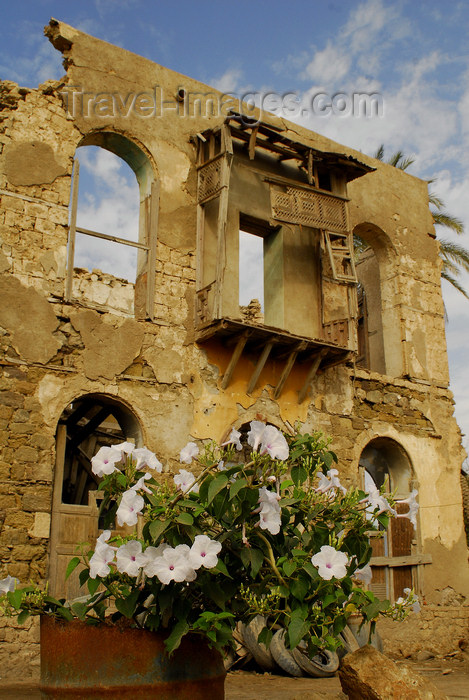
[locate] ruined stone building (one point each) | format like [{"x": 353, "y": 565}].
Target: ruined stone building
[{"x": 88, "y": 358}]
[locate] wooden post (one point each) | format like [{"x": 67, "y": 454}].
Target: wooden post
[{"x": 72, "y": 230}]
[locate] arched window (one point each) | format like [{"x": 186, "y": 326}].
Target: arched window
[
  {"x": 86, "y": 424},
  {"x": 113, "y": 225},
  {"x": 395, "y": 555}
]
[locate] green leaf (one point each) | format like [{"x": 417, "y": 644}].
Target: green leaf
[
  {"x": 265, "y": 637},
  {"x": 297, "y": 629},
  {"x": 185, "y": 519},
  {"x": 23, "y": 616},
  {"x": 127, "y": 605},
  {"x": 289, "y": 568},
  {"x": 179, "y": 630},
  {"x": 310, "y": 570},
  {"x": 79, "y": 609},
  {"x": 236, "y": 487},
  {"x": 216, "y": 486},
  {"x": 214, "y": 591},
  {"x": 83, "y": 576},
  {"x": 93, "y": 584},
  {"x": 327, "y": 458},
  {"x": 257, "y": 559},
  {"x": 286, "y": 484},
  {"x": 15, "y": 598},
  {"x": 221, "y": 568},
  {"x": 299, "y": 589},
  {"x": 157, "y": 527},
  {"x": 72, "y": 565},
  {"x": 299, "y": 474}
]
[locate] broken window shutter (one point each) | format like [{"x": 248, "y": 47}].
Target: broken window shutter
[
  {"x": 72, "y": 229},
  {"x": 340, "y": 251}
]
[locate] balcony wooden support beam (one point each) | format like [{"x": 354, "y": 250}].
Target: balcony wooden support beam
[
  {"x": 237, "y": 352},
  {"x": 259, "y": 366},
  {"x": 311, "y": 374},
  {"x": 287, "y": 369}
]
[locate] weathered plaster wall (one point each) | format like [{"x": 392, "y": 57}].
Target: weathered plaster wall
[{"x": 54, "y": 352}]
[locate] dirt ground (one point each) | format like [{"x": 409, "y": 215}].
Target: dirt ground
[{"x": 450, "y": 675}]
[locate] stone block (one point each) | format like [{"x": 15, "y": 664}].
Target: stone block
[{"x": 366, "y": 674}]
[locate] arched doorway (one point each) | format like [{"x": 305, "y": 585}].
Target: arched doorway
[
  {"x": 86, "y": 424},
  {"x": 395, "y": 554}
]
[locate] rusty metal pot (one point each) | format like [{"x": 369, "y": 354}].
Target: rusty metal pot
[{"x": 103, "y": 661}]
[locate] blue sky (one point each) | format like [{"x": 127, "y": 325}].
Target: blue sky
[{"x": 414, "y": 54}]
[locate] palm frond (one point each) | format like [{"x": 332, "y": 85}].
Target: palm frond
[
  {"x": 442, "y": 218},
  {"x": 454, "y": 253},
  {"x": 452, "y": 280},
  {"x": 400, "y": 161},
  {"x": 379, "y": 155},
  {"x": 434, "y": 199}
]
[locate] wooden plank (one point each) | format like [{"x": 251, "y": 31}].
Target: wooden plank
[
  {"x": 115, "y": 239},
  {"x": 72, "y": 230},
  {"x": 200, "y": 247},
  {"x": 286, "y": 371},
  {"x": 60, "y": 445},
  {"x": 84, "y": 431},
  {"x": 311, "y": 374},
  {"x": 151, "y": 241},
  {"x": 412, "y": 560},
  {"x": 221, "y": 234},
  {"x": 227, "y": 141},
  {"x": 310, "y": 167},
  {"x": 260, "y": 366},
  {"x": 234, "y": 359},
  {"x": 252, "y": 143}
]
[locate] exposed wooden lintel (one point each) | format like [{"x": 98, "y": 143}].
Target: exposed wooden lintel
[{"x": 411, "y": 560}]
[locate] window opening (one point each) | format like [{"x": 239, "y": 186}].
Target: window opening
[
  {"x": 108, "y": 203},
  {"x": 251, "y": 269},
  {"x": 106, "y": 195}
]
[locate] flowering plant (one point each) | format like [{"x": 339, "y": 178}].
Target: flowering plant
[{"x": 275, "y": 534}]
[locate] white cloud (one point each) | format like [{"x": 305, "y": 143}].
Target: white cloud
[
  {"x": 329, "y": 65},
  {"x": 228, "y": 82}
]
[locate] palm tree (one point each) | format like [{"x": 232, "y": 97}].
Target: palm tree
[{"x": 455, "y": 257}]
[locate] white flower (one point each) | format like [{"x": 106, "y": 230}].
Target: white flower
[
  {"x": 378, "y": 502},
  {"x": 234, "y": 438},
  {"x": 269, "y": 519},
  {"x": 188, "y": 453},
  {"x": 184, "y": 480},
  {"x": 273, "y": 442},
  {"x": 413, "y": 508},
  {"x": 255, "y": 434},
  {"x": 152, "y": 554},
  {"x": 270, "y": 497},
  {"x": 104, "y": 461},
  {"x": 146, "y": 458},
  {"x": 102, "y": 557},
  {"x": 364, "y": 574},
  {"x": 8, "y": 584},
  {"x": 411, "y": 597},
  {"x": 129, "y": 508},
  {"x": 130, "y": 558},
  {"x": 330, "y": 482},
  {"x": 126, "y": 447},
  {"x": 330, "y": 563},
  {"x": 173, "y": 565},
  {"x": 140, "y": 484},
  {"x": 204, "y": 552}
]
